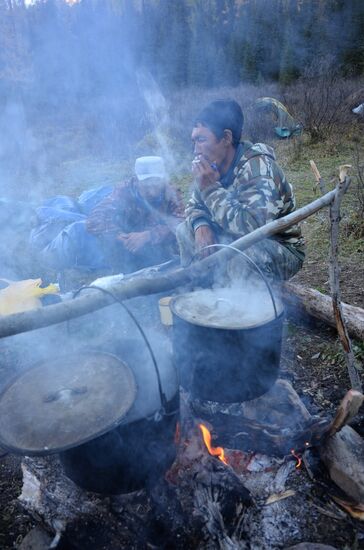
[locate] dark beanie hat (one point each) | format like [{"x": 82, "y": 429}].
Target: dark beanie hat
[{"x": 220, "y": 115}]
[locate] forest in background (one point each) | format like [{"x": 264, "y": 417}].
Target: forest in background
[
  {"x": 184, "y": 43},
  {"x": 96, "y": 77}
]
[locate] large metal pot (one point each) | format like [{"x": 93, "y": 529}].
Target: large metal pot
[
  {"x": 227, "y": 342},
  {"x": 106, "y": 412},
  {"x": 142, "y": 447}
]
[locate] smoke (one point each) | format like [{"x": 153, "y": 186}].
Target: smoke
[
  {"x": 82, "y": 85},
  {"x": 91, "y": 79},
  {"x": 73, "y": 106},
  {"x": 157, "y": 115},
  {"x": 78, "y": 97}
]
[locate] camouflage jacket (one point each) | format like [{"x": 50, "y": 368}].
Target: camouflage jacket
[
  {"x": 254, "y": 192},
  {"x": 125, "y": 211}
]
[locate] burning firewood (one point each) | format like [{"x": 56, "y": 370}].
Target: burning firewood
[
  {"x": 290, "y": 426},
  {"x": 215, "y": 492},
  {"x": 270, "y": 439}
]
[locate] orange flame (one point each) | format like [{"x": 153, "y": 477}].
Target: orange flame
[
  {"x": 297, "y": 457},
  {"x": 214, "y": 451}
]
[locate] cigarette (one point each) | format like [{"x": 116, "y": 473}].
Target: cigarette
[{"x": 197, "y": 160}]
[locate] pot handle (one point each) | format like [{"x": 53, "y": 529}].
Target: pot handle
[
  {"x": 252, "y": 263},
  {"x": 163, "y": 398}
]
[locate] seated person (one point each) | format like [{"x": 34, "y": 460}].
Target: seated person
[
  {"x": 132, "y": 226},
  {"x": 136, "y": 224},
  {"x": 238, "y": 188}
]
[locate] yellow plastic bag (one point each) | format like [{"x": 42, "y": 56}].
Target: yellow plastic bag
[{"x": 23, "y": 295}]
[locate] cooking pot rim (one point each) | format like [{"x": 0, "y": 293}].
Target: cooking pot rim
[
  {"x": 21, "y": 451},
  {"x": 209, "y": 325}
]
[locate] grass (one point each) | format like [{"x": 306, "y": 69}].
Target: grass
[
  {"x": 87, "y": 172},
  {"x": 328, "y": 156},
  {"x": 294, "y": 158}
]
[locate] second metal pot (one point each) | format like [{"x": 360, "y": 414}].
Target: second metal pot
[{"x": 227, "y": 343}]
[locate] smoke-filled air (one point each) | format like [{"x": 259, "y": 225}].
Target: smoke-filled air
[{"x": 181, "y": 267}]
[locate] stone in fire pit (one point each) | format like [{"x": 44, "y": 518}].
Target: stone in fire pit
[{"x": 273, "y": 423}]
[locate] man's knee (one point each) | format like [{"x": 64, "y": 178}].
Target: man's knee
[
  {"x": 275, "y": 261},
  {"x": 285, "y": 264}
]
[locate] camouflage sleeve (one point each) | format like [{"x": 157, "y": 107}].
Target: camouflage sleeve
[
  {"x": 258, "y": 195},
  {"x": 197, "y": 213}
]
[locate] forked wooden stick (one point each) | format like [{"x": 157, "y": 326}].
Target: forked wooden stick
[
  {"x": 334, "y": 269},
  {"x": 319, "y": 181}
]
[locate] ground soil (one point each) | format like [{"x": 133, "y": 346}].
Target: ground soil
[{"x": 14, "y": 522}]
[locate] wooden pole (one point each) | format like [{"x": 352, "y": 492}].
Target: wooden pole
[
  {"x": 50, "y": 315},
  {"x": 334, "y": 269}
]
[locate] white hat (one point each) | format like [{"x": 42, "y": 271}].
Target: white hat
[{"x": 149, "y": 167}]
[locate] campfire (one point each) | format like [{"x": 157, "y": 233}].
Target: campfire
[
  {"x": 220, "y": 453},
  {"x": 297, "y": 457},
  {"x": 192, "y": 464},
  {"x": 214, "y": 451},
  {"x": 219, "y": 493}
]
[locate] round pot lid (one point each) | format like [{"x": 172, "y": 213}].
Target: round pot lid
[
  {"x": 65, "y": 402},
  {"x": 227, "y": 308}
]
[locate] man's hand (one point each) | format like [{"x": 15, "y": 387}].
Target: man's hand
[
  {"x": 134, "y": 241},
  {"x": 204, "y": 236},
  {"x": 205, "y": 172}
]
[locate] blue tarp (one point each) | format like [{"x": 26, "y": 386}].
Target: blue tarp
[
  {"x": 60, "y": 237},
  {"x": 89, "y": 199}
]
